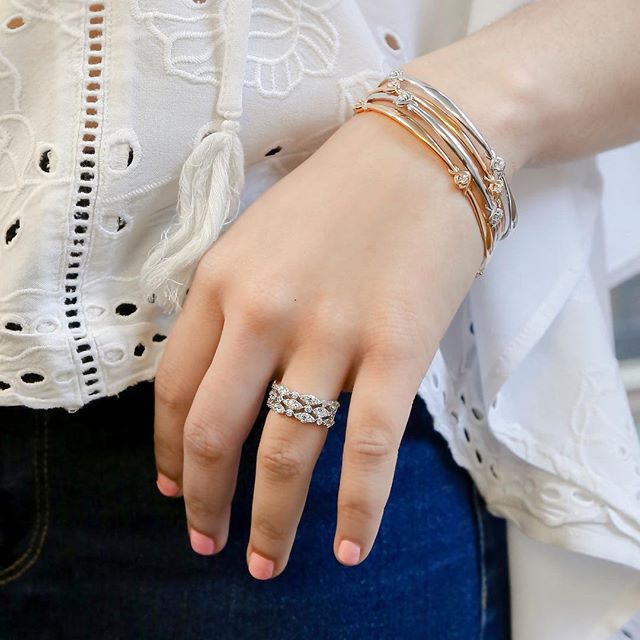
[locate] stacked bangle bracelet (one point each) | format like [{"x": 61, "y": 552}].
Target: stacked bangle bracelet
[{"x": 475, "y": 167}]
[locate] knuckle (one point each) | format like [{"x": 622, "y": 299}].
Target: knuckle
[
  {"x": 356, "y": 510},
  {"x": 265, "y": 304},
  {"x": 208, "y": 272},
  {"x": 203, "y": 442},
  {"x": 372, "y": 444},
  {"x": 281, "y": 462},
  {"x": 268, "y": 530}
]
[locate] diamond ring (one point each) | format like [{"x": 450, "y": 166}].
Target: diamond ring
[{"x": 305, "y": 407}]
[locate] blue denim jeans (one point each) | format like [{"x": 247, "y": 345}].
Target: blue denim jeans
[{"x": 89, "y": 548}]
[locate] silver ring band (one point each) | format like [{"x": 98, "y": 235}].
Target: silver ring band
[{"x": 304, "y": 407}]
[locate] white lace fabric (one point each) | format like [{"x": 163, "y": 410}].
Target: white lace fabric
[{"x": 100, "y": 105}]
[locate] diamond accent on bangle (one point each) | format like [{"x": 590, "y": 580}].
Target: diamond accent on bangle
[
  {"x": 497, "y": 166},
  {"x": 361, "y": 105},
  {"x": 461, "y": 178},
  {"x": 403, "y": 98},
  {"x": 495, "y": 214},
  {"x": 394, "y": 86},
  {"x": 305, "y": 407},
  {"x": 495, "y": 186},
  {"x": 396, "y": 74}
]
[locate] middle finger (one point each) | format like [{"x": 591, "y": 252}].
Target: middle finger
[{"x": 224, "y": 408}]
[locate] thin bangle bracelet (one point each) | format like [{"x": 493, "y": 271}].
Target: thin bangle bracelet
[
  {"x": 500, "y": 209},
  {"x": 453, "y": 143},
  {"x": 496, "y": 187},
  {"x": 496, "y": 162}
]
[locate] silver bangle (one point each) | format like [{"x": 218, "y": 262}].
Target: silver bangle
[{"x": 408, "y": 100}]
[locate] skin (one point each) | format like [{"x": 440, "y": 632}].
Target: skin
[{"x": 322, "y": 301}]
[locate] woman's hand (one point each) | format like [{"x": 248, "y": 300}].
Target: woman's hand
[{"x": 343, "y": 276}]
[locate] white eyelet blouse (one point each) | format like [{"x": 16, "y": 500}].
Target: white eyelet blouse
[{"x": 103, "y": 104}]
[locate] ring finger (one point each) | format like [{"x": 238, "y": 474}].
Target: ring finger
[{"x": 287, "y": 455}]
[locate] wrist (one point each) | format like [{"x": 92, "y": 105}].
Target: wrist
[
  {"x": 396, "y": 162},
  {"x": 500, "y": 102}
]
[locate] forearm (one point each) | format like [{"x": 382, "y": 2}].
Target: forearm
[{"x": 552, "y": 81}]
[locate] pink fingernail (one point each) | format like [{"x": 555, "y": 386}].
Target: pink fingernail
[
  {"x": 167, "y": 487},
  {"x": 259, "y": 567},
  {"x": 348, "y": 553},
  {"x": 200, "y": 543}
]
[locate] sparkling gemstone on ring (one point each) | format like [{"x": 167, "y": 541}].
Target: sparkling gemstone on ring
[{"x": 306, "y": 408}]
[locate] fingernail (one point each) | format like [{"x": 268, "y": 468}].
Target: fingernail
[
  {"x": 167, "y": 487},
  {"x": 348, "y": 553},
  {"x": 259, "y": 567},
  {"x": 200, "y": 543}
]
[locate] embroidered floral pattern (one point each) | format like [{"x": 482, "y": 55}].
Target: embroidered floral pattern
[
  {"x": 290, "y": 39},
  {"x": 192, "y": 40}
]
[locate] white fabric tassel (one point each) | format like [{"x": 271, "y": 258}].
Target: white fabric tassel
[{"x": 211, "y": 182}]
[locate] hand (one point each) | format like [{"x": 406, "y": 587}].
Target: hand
[{"x": 343, "y": 276}]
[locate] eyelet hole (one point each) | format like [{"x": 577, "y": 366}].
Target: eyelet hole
[
  {"x": 126, "y": 309},
  {"x": 12, "y": 231},
  {"x": 31, "y": 377},
  {"x": 392, "y": 41},
  {"x": 15, "y": 23}
]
